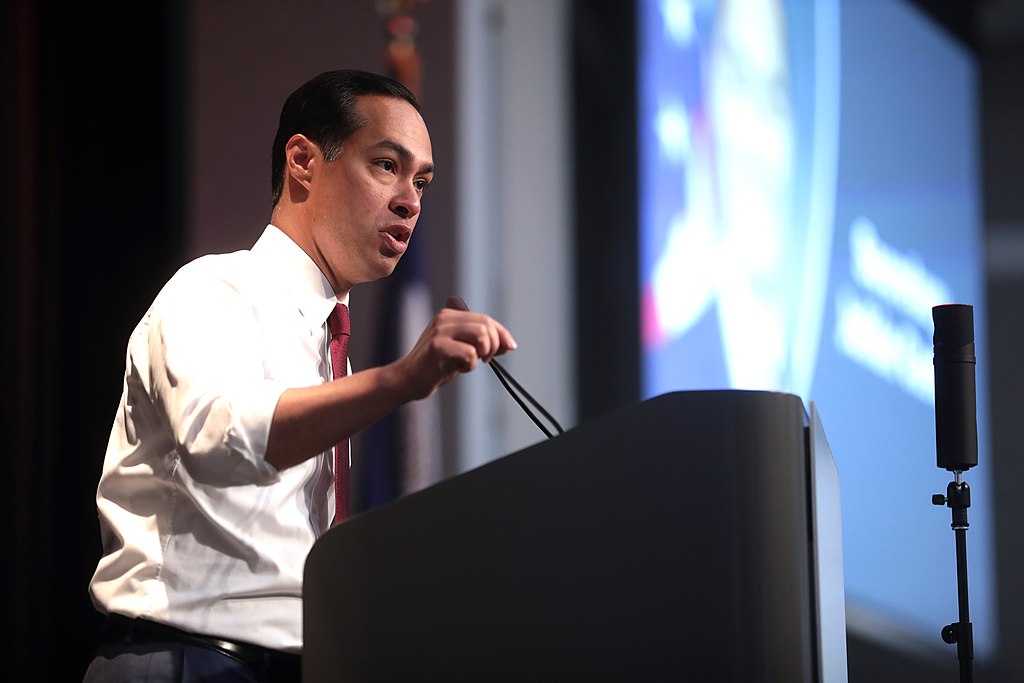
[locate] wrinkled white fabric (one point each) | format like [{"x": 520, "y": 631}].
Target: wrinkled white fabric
[{"x": 199, "y": 531}]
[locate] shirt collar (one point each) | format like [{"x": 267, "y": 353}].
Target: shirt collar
[{"x": 299, "y": 275}]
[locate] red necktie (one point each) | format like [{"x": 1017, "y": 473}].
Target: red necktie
[{"x": 339, "y": 325}]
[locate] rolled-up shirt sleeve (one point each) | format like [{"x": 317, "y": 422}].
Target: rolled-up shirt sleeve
[{"x": 201, "y": 357}]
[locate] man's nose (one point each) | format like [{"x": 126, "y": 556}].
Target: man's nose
[{"x": 406, "y": 203}]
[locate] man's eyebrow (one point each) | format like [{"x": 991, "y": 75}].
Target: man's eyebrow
[{"x": 403, "y": 153}]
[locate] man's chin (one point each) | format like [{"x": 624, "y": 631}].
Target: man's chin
[{"x": 386, "y": 266}]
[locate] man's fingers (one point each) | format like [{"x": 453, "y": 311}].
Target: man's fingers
[
  {"x": 453, "y": 344},
  {"x": 501, "y": 338},
  {"x": 506, "y": 341},
  {"x": 485, "y": 334},
  {"x": 454, "y": 355}
]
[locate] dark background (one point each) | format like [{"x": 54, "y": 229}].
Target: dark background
[{"x": 93, "y": 191}]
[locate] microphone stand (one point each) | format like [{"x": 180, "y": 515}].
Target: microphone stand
[
  {"x": 958, "y": 499},
  {"x": 956, "y": 451}
]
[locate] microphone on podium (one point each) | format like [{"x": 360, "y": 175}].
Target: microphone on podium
[{"x": 508, "y": 382}]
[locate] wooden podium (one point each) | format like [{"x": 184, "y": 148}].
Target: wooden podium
[{"x": 670, "y": 540}]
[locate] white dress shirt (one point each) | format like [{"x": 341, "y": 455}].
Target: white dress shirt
[{"x": 199, "y": 531}]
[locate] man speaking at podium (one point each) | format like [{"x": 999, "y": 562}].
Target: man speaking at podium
[{"x": 238, "y": 403}]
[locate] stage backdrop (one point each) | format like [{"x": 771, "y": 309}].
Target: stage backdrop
[{"x": 809, "y": 189}]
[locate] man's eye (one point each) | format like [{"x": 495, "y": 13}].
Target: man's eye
[
  {"x": 421, "y": 185},
  {"x": 387, "y": 165}
]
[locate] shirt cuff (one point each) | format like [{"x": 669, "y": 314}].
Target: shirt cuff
[{"x": 251, "y": 431}]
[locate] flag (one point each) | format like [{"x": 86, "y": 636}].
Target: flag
[{"x": 403, "y": 450}]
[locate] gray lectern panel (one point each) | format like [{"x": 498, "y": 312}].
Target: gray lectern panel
[{"x": 666, "y": 541}]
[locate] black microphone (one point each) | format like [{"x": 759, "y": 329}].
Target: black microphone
[
  {"x": 508, "y": 382},
  {"x": 956, "y": 422}
]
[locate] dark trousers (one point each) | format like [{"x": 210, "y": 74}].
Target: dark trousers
[
  {"x": 166, "y": 663},
  {"x": 141, "y": 651}
]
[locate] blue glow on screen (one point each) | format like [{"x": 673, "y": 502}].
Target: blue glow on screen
[{"x": 809, "y": 190}]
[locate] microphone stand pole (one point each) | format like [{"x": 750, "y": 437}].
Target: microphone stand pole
[{"x": 958, "y": 499}]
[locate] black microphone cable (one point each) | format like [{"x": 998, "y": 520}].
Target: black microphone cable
[{"x": 509, "y": 382}]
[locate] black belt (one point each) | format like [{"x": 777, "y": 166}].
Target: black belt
[{"x": 273, "y": 664}]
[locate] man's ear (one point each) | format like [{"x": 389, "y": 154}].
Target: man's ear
[{"x": 300, "y": 154}]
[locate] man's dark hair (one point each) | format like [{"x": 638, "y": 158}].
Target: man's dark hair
[{"x": 324, "y": 110}]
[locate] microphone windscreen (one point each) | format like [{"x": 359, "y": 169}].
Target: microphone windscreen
[
  {"x": 457, "y": 303},
  {"x": 956, "y": 422}
]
